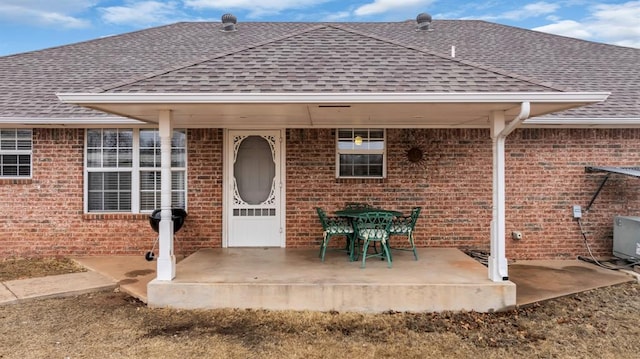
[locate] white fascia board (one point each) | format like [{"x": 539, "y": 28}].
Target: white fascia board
[
  {"x": 333, "y": 98},
  {"x": 583, "y": 122},
  {"x": 68, "y": 122}
]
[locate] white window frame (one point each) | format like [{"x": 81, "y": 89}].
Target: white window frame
[
  {"x": 115, "y": 169},
  {"x": 17, "y": 152},
  {"x": 135, "y": 170},
  {"x": 361, "y": 149},
  {"x": 157, "y": 169}
]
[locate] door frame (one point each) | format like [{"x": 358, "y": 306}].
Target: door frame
[{"x": 226, "y": 185}]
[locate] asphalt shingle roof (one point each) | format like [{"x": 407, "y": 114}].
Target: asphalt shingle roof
[
  {"x": 330, "y": 59},
  {"x": 29, "y": 81},
  {"x": 320, "y": 57},
  {"x": 576, "y": 64}
]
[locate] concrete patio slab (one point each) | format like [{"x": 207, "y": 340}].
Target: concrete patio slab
[
  {"x": 538, "y": 280},
  {"x": 535, "y": 281},
  {"x": 295, "y": 279},
  {"x": 131, "y": 273},
  {"x": 59, "y": 285},
  {"x": 6, "y": 296}
]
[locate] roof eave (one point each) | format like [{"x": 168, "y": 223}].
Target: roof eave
[
  {"x": 582, "y": 122},
  {"x": 302, "y": 110},
  {"x": 323, "y": 98}
]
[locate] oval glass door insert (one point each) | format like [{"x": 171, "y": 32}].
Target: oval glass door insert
[{"x": 254, "y": 170}]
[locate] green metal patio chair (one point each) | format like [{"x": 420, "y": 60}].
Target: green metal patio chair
[
  {"x": 405, "y": 226},
  {"x": 373, "y": 227},
  {"x": 335, "y": 226}
]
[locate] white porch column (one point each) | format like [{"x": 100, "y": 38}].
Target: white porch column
[
  {"x": 166, "y": 259},
  {"x": 497, "y": 259},
  {"x": 498, "y": 270}
]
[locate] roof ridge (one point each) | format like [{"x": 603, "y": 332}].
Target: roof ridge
[
  {"x": 132, "y": 80},
  {"x": 481, "y": 66}
]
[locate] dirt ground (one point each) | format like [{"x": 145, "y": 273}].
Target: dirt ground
[
  {"x": 602, "y": 323},
  {"x": 20, "y": 268}
]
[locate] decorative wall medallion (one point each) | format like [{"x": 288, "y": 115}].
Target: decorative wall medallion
[{"x": 415, "y": 155}]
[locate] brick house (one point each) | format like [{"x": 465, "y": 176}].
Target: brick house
[{"x": 501, "y": 123}]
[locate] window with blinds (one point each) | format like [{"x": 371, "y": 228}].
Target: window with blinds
[
  {"x": 150, "y": 169},
  {"x": 123, "y": 170},
  {"x": 360, "y": 153},
  {"x": 15, "y": 153}
]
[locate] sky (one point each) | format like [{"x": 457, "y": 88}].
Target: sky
[{"x": 27, "y": 25}]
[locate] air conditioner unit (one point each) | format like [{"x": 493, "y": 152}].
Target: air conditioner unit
[{"x": 626, "y": 237}]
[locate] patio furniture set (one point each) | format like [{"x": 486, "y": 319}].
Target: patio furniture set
[{"x": 364, "y": 226}]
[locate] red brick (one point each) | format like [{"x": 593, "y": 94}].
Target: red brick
[{"x": 545, "y": 174}]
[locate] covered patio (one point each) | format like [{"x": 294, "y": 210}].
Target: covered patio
[{"x": 500, "y": 112}]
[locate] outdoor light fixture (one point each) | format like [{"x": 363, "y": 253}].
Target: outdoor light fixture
[{"x": 358, "y": 140}]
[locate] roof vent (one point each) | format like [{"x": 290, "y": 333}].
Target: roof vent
[
  {"x": 229, "y": 22},
  {"x": 424, "y": 21}
]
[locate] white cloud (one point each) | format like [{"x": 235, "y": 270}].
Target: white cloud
[
  {"x": 142, "y": 13},
  {"x": 386, "y": 6},
  {"x": 530, "y": 10},
  {"x": 338, "y": 16},
  {"x": 46, "y": 13},
  {"x": 553, "y": 18},
  {"x": 57, "y": 6},
  {"x": 568, "y": 28},
  {"x": 254, "y": 8},
  {"x": 63, "y": 20},
  {"x": 628, "y": 43},
  {"x": 616, "y": 24},
  {"x": 536, "y": 9}
]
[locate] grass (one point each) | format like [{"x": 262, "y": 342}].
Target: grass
[
  {"x": 21, "y": 268},
  {"x": 602, "y": 323}
]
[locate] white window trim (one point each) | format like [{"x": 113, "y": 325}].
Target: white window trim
[
  {"x": 20, "y": 152},
  {"x": 135, "y": 170},
  {"x": 383, "y": 152}
]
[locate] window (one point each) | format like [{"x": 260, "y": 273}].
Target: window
[
  {"x": 15, "y": 153},
  {"x": 123, "y": 170},
  {"x": 110, "y": 168},
  {"x": 150, "y": 169},
  {"x": 361, "y": 153}
]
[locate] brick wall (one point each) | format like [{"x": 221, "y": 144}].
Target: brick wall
[
  {"x": 44, "y": 216},
  {"x": 452, "y": 185},
  {"x": 545, "y": 177},
  {"x": 204, "y": 198}
]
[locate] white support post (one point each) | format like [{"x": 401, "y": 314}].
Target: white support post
[
  {"x": 498, "y": 270},
  {"x": 166, "y": 258}
]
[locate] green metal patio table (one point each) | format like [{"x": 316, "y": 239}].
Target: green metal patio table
[{"x": 352, "y": 214}]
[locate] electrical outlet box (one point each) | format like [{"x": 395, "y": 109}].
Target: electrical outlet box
[{"x": 577, "y": 211}]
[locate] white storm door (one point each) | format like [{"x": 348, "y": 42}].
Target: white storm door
[{"x": 254, "y": 209}]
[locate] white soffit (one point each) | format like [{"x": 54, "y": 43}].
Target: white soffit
[{"x": 296, "y": 110}]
